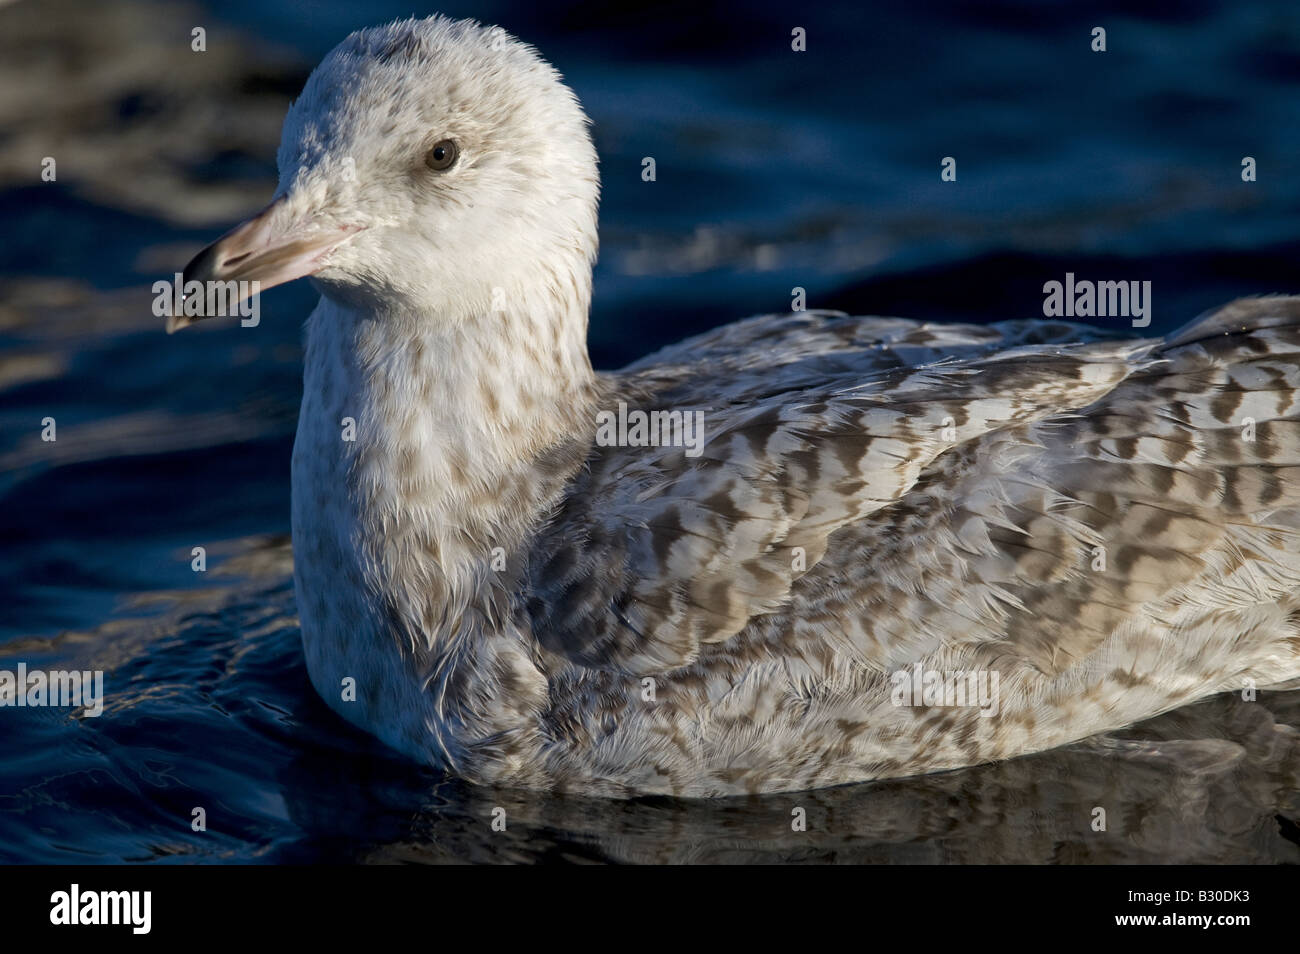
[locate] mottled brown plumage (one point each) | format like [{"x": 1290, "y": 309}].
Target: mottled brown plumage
[{"x": 981, "y": 556}]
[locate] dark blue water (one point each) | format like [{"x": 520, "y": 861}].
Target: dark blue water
[{"x": 775, "y": 169}]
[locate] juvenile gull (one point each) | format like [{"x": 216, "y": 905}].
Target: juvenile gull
[{"x": 1094, "y": 530}]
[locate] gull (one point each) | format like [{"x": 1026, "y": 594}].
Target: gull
[{"x": 890, "y": 547}]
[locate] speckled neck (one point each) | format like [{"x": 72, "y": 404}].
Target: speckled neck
[{"x": 463, "y": 430}]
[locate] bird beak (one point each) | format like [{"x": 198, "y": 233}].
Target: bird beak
[{"x": 269, "y": 249}]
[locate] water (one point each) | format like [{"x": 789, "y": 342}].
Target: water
[{"x": 774, "y": 170}]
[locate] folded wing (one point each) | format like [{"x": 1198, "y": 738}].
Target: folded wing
[{"x": 656, "y": 553}]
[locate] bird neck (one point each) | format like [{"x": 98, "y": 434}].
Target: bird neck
[{"x": 464, "y": 430}]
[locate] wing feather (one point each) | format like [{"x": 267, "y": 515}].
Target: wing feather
[{"x": 679, "y": 552}]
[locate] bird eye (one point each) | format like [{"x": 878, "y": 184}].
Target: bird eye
[{"x": 442, "y": 156}]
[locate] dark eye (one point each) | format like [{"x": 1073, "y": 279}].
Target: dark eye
[{"x": 442, "y": 156}]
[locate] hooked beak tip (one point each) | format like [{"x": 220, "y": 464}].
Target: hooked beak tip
[{"x": 257, "y": 254}]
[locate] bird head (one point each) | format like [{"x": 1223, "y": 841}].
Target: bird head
[{"x": 431, "y": 165}]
